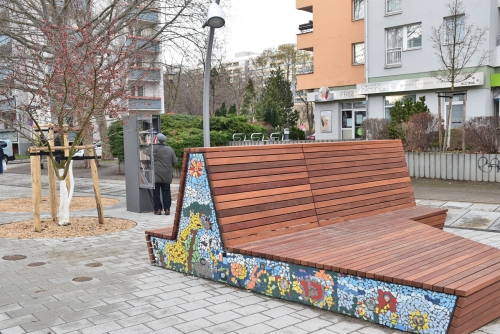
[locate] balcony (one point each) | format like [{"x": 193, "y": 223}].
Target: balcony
[
  {"x": 7, "y": 104},
  {"x": 394, "y": 57},
  {"x": 306, "y": 27},
  {"x": 5, "y": 45},
  {"x": 149, "y": 15},
  {"x": 144, "y": 103},
  {"x": 144, "y": 74},
  {"x": 306, "y": 70},
  {"x": 136, "y": 42}
]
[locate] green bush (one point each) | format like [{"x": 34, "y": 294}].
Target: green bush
[
  {"x": 185, "y": 131},
  {"x": 115, "y": 135},
  {"x": 297, "y": 134}
]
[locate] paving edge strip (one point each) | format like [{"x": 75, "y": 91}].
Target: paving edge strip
[{"x": 472, "y": 229}]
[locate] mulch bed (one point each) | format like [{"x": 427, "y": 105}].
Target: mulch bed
[
  {"x": 26, "y": 204},
  {"x": 80, "y": 227}
]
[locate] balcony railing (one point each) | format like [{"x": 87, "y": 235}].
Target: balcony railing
[
  {"x": 144, "y": 103},
  {"x": 148, "y": 15},
  {"x": 306, "y": 27},
  {"x": 306, "y": 70},
  {"x": 393, "y": 56},
  {"x": 144, "y": 73},
  {"x": 153, "y": 46}
]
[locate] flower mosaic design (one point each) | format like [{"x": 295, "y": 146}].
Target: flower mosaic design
[
  {"x": 419, "y": 321},
  {"x": 196, "y": 168},
  {"x": 199, "y": 250}
]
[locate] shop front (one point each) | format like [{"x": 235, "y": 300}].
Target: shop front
[{"x": 338, "y": 114}]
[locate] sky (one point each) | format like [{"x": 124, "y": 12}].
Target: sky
[{"x": 255, "y": 25}]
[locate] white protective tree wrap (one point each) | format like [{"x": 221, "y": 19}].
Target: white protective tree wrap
[{"x": 65, "y": 198}]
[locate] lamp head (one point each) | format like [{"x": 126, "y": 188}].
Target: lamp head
[
  {"x": 170, "y": 76},
  {"x": 215, "y": 17}
]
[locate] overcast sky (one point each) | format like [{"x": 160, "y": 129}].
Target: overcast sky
[{"x": 255, "y": 25}]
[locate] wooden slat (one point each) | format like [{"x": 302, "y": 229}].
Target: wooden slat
[
  {"x": 267, "y": 220},
  {"x": 260, "y": 186},
  {"x": 352, "y": 159},
  {"x": 333, "y": 190},
  {"x": 357, "y": 175},
  {"x": 363, "y": 197},
  {"x": 264, "y": 214},
  {"x": 261, "y": 193},
  {"x": 317, "y": 147},
  {"x": 254, "y": 166},
  {"x": 259, "y": 179},
  {"x": 265, "y": 228},
  {"x": 253, "y": 159},
  {"x": 351, "y": 152},
  {"x": 315, "y": 169},
  {"x": 360, "y": 180},
  {"x": 259, "y": 200},
  {"x": 385, "y": 164},
  {"x": 365, "y": 203},
  {"x": 256, "y": 172},
  {"x": 247, "y": 153},
  {"x": 264, "y": 207}
]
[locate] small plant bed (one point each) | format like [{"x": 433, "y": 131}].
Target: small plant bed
[
  {"x": 79, "y": 227},
  {"x": 26, "y": 204}
]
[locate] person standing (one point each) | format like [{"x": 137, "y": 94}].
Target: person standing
[
  {"x": 164, "y": 161},
  {"x": 2, "y": 159}
]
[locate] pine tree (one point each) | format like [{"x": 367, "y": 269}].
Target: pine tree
[
  {"x": 232, "y": 110},
  {"x": 248, "y": 107},
  {"x": 222, "y": 112},
  {"x": 277, "y": 96}
]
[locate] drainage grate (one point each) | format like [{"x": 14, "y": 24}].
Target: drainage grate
[
  {"x": 93, "y": 265},
  {"x": 14, "y": 257},
  {"x": 472, "y": 229},
  {"x": 36, "y": 264},
  {"x": 82, "y": 279}
]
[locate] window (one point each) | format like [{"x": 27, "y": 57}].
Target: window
[
  {"x": 414, "y": 36},
  {"x": 455, "y": 28},
  {"x": 394, "y": 46},
  {"x": 137, "y": 91},
  {"x": 394, "y": 6},
  {"x": 401, "y": 39},
  {"x": 390, "y": 102},
  {"x": 358, "y": 52},
  {"x": 358, "y": 9}
]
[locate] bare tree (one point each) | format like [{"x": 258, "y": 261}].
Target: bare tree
[{"x": 457, "y": 45}]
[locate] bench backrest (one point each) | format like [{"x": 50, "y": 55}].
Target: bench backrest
[
  {"x": 265, "y": 191},
  {"x": 260, "y": 192},
  {"x": 358, "y": 179}
]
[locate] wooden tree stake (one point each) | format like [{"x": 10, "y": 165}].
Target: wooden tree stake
[
  {"x": 97, "y": 190},
  {"x": 36, "y": 190},
  {"x": 52, "y": 181}
]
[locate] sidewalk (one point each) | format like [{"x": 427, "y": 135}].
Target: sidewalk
[{"x": 128, "y": 295}]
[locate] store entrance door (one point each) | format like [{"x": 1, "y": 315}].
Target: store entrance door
[{"x": 353, "y": 116}]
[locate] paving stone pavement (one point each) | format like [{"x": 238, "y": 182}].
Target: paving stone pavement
[
  {"x": 128, "y": 295},
  {"x": 468, "y": 215}
]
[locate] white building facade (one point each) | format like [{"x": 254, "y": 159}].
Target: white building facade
[{"x": 399, "y": 59}]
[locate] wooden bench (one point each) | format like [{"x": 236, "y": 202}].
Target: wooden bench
[{"x": 339, "y": 210}]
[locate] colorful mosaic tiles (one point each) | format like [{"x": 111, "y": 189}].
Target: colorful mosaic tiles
[{"x": 198, "y": 250}]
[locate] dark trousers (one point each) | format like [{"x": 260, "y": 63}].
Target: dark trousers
[{"x": 164, "y": 189}]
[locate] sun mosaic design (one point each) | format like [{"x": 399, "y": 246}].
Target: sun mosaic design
[{"x": 198, "y": 250}]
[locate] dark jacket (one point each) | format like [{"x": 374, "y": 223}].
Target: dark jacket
[{"x": 164, "y": 160}]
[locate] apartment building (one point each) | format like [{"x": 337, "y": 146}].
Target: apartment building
[
  {"x": 145, "y": 77},
  {"x": 397, "y": 64}
]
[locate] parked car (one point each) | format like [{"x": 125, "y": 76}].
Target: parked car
[
  {"x": 8, "y": 150},
  {"x": 98, "y": 151},
  {"x": 312, "y": 137}
]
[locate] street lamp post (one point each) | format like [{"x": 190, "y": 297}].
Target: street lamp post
[
  {"x": 171, "y": 76},
  {"x": 215, "y": 19}
]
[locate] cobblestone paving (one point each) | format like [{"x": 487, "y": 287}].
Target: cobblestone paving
[{"x": 127, "y": 295}]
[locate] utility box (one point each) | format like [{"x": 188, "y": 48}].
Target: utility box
[{"x": 139, "y": 132}]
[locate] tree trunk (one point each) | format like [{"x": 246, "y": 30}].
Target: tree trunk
[
  {"x": 463, "y": 123},
  {"x": 440, "y": 125},
  {"x": 448, "y": 125},
  {"x": 65, "y": 195},
  {"x": 103, "y": 130}
]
